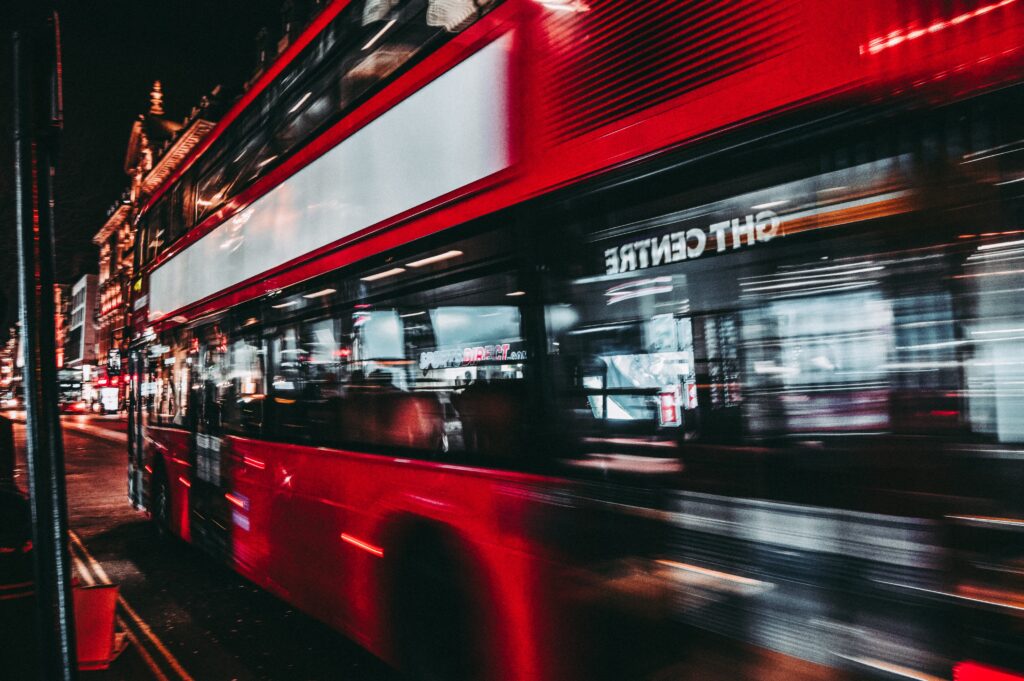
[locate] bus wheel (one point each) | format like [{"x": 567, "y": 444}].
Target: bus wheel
[{"x": 433, "y": 615}]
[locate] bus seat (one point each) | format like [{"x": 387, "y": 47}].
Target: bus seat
[{"x": 491, "y": 416}]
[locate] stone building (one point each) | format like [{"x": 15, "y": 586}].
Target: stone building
[
  {"x": 61, "y": 308},
  {"x": 157, "y": 144},
  {"x": 80, "y": 342}
]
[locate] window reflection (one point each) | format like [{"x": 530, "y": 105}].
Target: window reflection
[
  {"x": 437, "y": 371},
  {"x": 815, "y": 333},
  {"x": 169, "y": 381},
  {"x": 817, "y": 364}
]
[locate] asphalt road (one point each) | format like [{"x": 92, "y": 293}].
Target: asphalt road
[
  {"x": 187, "y": 617},
  {"x": 190, "y": 619}
]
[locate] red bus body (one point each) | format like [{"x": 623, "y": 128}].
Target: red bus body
[
  {"x": 824, "y": 55},
  {"x": 594, "y": 88}
]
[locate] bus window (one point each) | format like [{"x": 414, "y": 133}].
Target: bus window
[
  {"x": 436, "y": 371},
  {"x": 243, "y": 407},
  {"x": 624, "y": 358},
  {"x": 213, "y": 388},
  {"x": 323, "y": 372},
  {"x": 445, "y": 367},
  {"x": 170, "y": 380},
  {"x": 286, "y": 385},
  {"x": 817, "y": 364},
  {"x": 765, "y": 316}
]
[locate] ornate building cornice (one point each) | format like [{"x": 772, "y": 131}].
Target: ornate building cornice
[
  {"x": 183, "y": 143},
  {"x": 117, "y": 216}
]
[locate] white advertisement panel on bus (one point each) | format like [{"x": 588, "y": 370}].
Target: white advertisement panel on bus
[{"x": 447, "y": 135}]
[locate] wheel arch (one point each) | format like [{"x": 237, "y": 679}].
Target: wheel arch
[{"x": 415, "y": 544}]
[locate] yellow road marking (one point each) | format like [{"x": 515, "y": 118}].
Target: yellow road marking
[
  {"x": 140, "y": 623},
  {"x": 146, "y": 657},
  {"x": 82, "y": 571}
]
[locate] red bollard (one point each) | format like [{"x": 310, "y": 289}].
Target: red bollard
[{"x": 97, "y": 644}]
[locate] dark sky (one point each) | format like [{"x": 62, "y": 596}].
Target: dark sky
[{"x": 113, "y": 50}]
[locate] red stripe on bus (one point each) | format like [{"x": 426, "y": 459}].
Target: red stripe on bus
[{"x": 369, "y": 548}]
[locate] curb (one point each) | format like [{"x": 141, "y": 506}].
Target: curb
[{"x": 91, "y": 431}]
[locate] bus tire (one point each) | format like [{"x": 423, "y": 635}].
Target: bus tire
[{"x": 433, "y": 611}]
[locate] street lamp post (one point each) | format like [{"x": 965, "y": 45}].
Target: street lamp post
[{"x": 37, "y": 120}]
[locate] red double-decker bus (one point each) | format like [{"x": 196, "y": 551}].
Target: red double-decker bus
[{"x": 547, "y": 339}]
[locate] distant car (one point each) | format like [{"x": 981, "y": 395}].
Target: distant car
[
  {"x": 74, "y": 407},
  {"x": 11, "y": 400}
]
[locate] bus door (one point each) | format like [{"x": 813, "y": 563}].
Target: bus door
[
  {"x": 136, "y": 377},
  {"x": 210, "y": 510}
]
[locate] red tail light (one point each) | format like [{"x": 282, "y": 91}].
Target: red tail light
[{"x": 972, "y": 671}]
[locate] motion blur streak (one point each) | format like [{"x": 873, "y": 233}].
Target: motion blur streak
[
  {"x": 971, "y": 671},
  {"x": 648, "y": 340},
  {"x": 898, "y": 37},
  {"x": 369, "y": 548}
]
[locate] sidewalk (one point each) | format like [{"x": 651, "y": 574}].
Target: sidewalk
[
  {"x": 113, "y": 428},
  {"x": 142, "y": 659}
]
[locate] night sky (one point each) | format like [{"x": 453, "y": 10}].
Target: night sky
[{"x": 112, "y": 52}]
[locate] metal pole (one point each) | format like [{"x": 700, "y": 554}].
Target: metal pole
[{"x": 36, "y": 88}]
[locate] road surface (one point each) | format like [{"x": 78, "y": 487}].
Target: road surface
[{"x": 188, "y": 618}]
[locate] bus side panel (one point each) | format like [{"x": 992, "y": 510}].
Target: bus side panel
[
  {"x": 500, "y": 580},
  {"x": 171, "y": 447},
  {"x": 333, "y": 519},
  {"x": 304, "y": 515},
  {"x": 248, "y": 469}
]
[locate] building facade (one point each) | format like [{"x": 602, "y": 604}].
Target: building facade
[
  {"x": 10, "y": 368},
  {"x": 80, "y": 342},
  {"x": 61, "y": 307},
  {"x": 80, "y": 339},
  {"x": 156, "y": 146}
]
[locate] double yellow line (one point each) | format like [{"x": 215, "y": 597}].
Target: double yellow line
[{"x": 150, "y": 647}]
